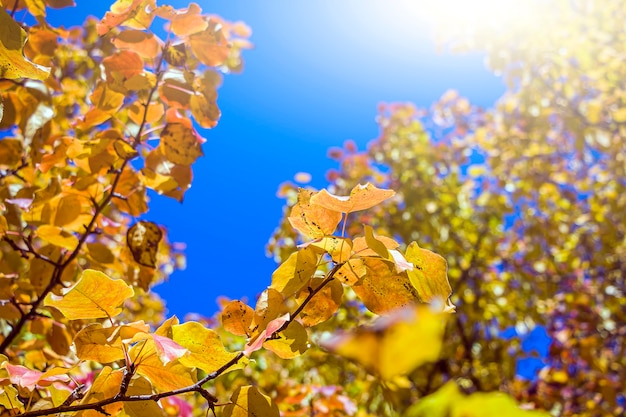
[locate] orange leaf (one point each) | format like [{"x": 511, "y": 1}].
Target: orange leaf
[
  {"x": 210, "y": 46},
  {"x": 361, "y": 197},
  {"x": 313, "y": 220},
  {"x": 125, "y": 63},
  {"x": 147, "y": 45},
  {"x": 181, "y": 145},
  {"x": 382, "y": 289},
  {"x": 188, "y": 21},
  {"x": 237, "y": 318},
  {"x": 94, "y": 296},
  {"x": 324, "y": 305}
]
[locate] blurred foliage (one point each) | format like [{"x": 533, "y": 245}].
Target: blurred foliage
[{"x": 525, "y": 200}]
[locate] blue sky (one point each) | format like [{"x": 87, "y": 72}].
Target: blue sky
[{"x": 314, "y": 79}]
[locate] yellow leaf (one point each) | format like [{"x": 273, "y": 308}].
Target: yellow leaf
[
  {"x": 291, "y": 342},
  {"x": 429, "y": 275},
  {"x": 13, "y": 63},
  {"x": 167, "y": 377},
  {"x": 351, "y": 272},
  {"x": 57, "y": 236},
  {"x": 143, "y": 240},
  {"x": 180, "y": 144},
  {"x": 248, "y": 401},
  {"x": 105, "y": 344},
  {"x": 206, "y": 349},
  {"x": 141, "y": 386},
  {"x": 361, "y": 197},
  {"x": 382, "y": 289},
  {"x": 313, "y": 220},
  {"x": 619, "y": 115},
  {"x": 94, "y": 296},
  {"x": 338, "y": 248},
  {"x": 295, "y": 272},
  {"x": 450, "y": 401},
  {"x": 106, "y": 385},
  {"x": 323, "y": 305},
  {"x": 396, "y": 344}
]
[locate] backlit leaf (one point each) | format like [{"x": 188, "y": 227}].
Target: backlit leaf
[
  {"x": 180, "y": 144},
  {"x": 31, "y": 379},
  {"x": 248, "y": 401},
  {"x": 13, "y": 63},
  {"x": 295, "y": 272},
  {"x": 237, "y": 318},
  {"x": 143, "y": 240},
  {"x": 206, "y": 349},
  {"x": 313, "y": 220},
  {"x": 430, "y": 274},
  {"x": 382, "y": 289},
  {"x": 210, "y": 46},
  {"x": 289, "y": 343},
  {"x": 396, "y": 344},
  {"x": 95, "y": 295},
  {"x": 361, "y": 197},
  {"x": 105, "y": 344},
  {"x": 338, "y": 248},
  {"x": 164, "y": 377},
  {"x": 323, "y": 305},
  {"x": 106, "y": 385},
  {"x": 147, "y": 45},
  {"x": 57, "y": 236}
]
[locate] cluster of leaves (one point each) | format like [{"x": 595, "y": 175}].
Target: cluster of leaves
[
  {"x": 526, "y": 200},
  {"x": 81, "y": 332}
]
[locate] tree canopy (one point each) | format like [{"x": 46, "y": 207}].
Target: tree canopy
[{"x": 395, "y": 284}]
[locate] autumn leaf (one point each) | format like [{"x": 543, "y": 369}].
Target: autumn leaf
[
  {"x": 57, "y": 236},
  {"x": 382, "y": 289},
  {"x": 313, "y": 221},
  {"x": 106, "y": 385},
  {"x": 248, "y": 401},
  {"x": 290, "y": 342},
  {"x": 143, "y": 240},
  {"x": 105, "y": 344},
  {"x": 94, "y": 296},
  {"x": 180, "y": 144},
  {"x": 295, "y": 272},
  {"x": 237, "y": 317},
  {"x": 13, "y": 63},
  {"x": 449, "y": 400},
  {"x": 323, "y": 305},
  {"x": 382, "y": 348},
  {"x": 361, "y": 197},
  {"x": 206, "y": 350},
  {"x": 31, "y": 379},
  {"x": 429, "y": 275},
  {"x": 272, "y": 326}
]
